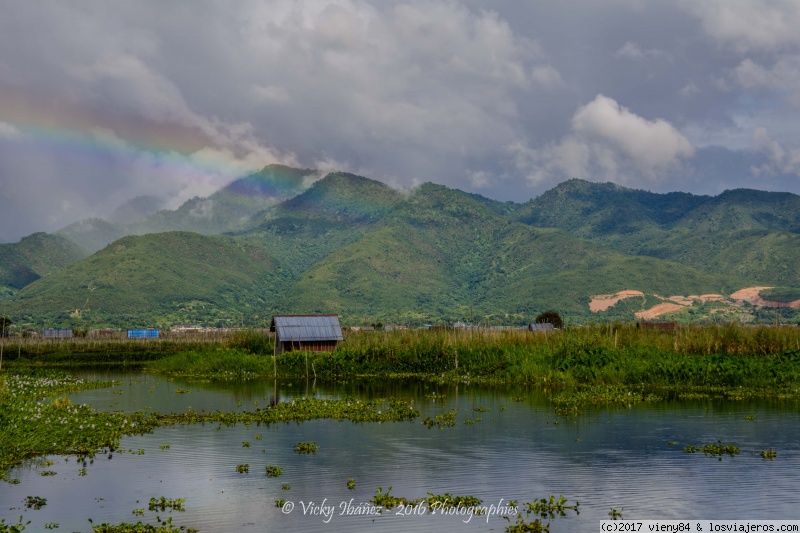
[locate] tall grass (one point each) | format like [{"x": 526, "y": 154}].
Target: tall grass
[{"x": 612, "y": 354}]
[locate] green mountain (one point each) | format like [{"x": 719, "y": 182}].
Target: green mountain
[
  {"x": 35, "y": 256},
  {"x": 145, "y": 280},
  {"x": 228, "y": 209},
  {"x": 750, "y": 234},
  {"x": 354, "y": 246},
  {"x": 444, "y": 253},
  {"x": 92, "y": 234}
]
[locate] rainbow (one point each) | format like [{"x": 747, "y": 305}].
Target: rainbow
[{"x": 177, "y": 152}]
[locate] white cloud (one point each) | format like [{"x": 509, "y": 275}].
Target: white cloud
[
  {"x": 749, "y": 25},
  {"x": 546, "y": 76},
  {"x": 607, "y": 142},
  {"x": 652, "y": 143}
]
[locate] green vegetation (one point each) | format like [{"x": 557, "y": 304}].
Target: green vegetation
[
  {"x": 164, "y": 526},
  {"x": 306, "y": 447},
  {"x": 35, "y": 502},
  {"x": 35, "y": 256},
  {"x": 715, "y": 449},
  {"x": 163, "y": 504},
  {"x": 544, "y": 508},
  {"x": 354, "y": 246},
  {"x": 35, "y": 424},
  {"x": 274, "y": 471},
  {"x": 781, "y": 294}
]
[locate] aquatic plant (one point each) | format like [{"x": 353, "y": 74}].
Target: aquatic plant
[
  {"x": 164, "y": 526},
  {"x": 286, "y": 486},
  {"x": 35, "y": 502},
  {"x": 551, "y": 507},
  {"x": 714, "y": 450},
  {"x": 613, "y": 514},
  {"x": 521, "y": 525},
  {"x": 448, "y": 501},
  {"x": 387, "y": 501},
  {"x": 162, "y": 504},
  {"x": 351, "y": 483},
  {"x": 306, "y": 447},
  {"x": 769, "y": 455},
  {"x": 13, "y": 528},
  {"x": 243, "y": 469},
  {"x": 274, "y": 471},
  {"x": 280, "y": 503},
  {"x": 443, "y": 420}
]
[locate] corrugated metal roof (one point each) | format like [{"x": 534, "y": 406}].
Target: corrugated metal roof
[{"x": 297, "y": 328}]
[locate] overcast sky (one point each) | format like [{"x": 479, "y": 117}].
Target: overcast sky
[{"x": 101, "y": 102}]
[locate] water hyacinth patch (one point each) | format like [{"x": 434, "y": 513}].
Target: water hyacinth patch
[
  {"x": 37, "y": 421},
  {"x": 306, "y": 447}
]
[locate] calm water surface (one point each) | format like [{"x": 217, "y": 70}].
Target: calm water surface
[{"x": 604, "y": 458}]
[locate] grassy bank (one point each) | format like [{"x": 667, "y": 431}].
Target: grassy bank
[
  {"x": 611, "y": 355},
  {"x": 729, "y": 356}
]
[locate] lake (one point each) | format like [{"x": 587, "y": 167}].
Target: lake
[{"x": 516, "y": 448}]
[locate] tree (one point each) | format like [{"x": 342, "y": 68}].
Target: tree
[{"x": 550, "y": 317}]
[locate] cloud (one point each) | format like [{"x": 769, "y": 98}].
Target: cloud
[
  {"x": 783, "y": 77},
  {"x": 631, "y": 50},
  {"x": 9, "y": 132},
  {"x": 652, "y": 143},
  {"x": 749, "y": 25},
  {"x": 778, "y": 159},
  {"x": 607, "y": 141},
  {"x": 123, "y": 100}
]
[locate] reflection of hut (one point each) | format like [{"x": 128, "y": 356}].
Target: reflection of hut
[
  {"x": 315, "y": 333},
  {"x": 664, "y": 327},
  {"x": 542, "y": 327}
]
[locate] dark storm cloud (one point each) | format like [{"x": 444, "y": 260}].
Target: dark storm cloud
[{"x": 104, "y": 102}]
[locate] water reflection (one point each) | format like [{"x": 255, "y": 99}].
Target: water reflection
[{"x": 518, "y": 450}]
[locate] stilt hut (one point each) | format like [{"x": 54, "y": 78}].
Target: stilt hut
[{"x": 315, "y": 333}]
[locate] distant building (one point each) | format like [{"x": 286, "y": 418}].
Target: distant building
[
  {"x": 52, "y": 333},
  {"x": 541, "y": 327},
  {"x": 315, "y": 333},
  {"x": 143, "y": 333}
]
